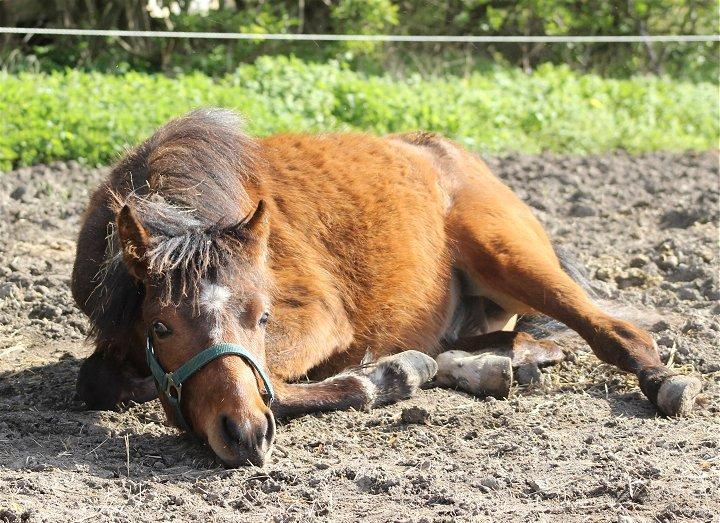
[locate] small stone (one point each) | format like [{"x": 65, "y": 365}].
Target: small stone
[
  {"x": 19, "y": 192},
  {"x": 711, "y": 293},
  {"x": 639, "y": 261},
  {"x": 490, "y": 483},
  {"x": 46, "y": 312},
  {"x": 43, "y": 291},
  {"x": 666, "y": 340},
  {"x": 633, "y": 277},
  {"x": 689, "y": 294},
  {"x": 580, "y": 195},
  {"x": 537, "y": 485},
  {"x": 667, "y": 262},
  {"x": 8, "y": 289},
  {"x": 271, "y": 486},
  {"x": 174, "y": 499},
  {"x": 692, "y": 325},
  {"x": 685, "y": 272},
  {"x": 603, "y": 274},
  {"x": 681, "y": 219},
  {"x": 664, "y": 353},
  {"x": 683, "y": 349},
  {"x": 527, "y": 374},
  {"x": 415, "y": 416},
  {"x": 580, "y": 210},
  {"x": 660, "y": 326},
  {"x": 652, "y": 187},
  {"x": 707, "y": 255}
]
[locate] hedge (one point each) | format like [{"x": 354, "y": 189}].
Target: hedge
[{"x": 93, "y": 117}]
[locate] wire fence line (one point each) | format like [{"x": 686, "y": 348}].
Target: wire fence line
[{"x": 362, "y": 38}]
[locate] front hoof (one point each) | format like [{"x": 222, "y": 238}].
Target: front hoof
[
  {"x": 418, "y": 366},
  {"x": 676, "y": 396},
  {"x": 398, "y": 376}
]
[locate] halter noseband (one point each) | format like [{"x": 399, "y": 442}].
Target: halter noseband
[{"x": 169, "y": 382}]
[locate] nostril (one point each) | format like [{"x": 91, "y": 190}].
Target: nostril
[
  {"x": 269, "y": 435},
  {"x": 231, "y": 430},
  {"x": 259, "y": 436}
]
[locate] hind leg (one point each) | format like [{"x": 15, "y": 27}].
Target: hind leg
[
  {"x": 520, "y": 347},
  {"x": 504, "y": 250},
  {"x": 486, "y": 364}
]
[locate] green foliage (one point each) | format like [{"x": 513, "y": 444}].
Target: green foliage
[
  {"x": 362, "y": 17},
  {"x": 687, "y": 61},
  {"x": 94, "y": 117}
]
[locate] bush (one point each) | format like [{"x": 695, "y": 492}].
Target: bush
[{"x": 93, "y": 117}]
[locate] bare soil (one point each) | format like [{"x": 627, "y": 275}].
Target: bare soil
[{"x": 583, "y": 446}]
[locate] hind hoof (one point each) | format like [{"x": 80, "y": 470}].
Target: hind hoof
[
  {"x": 677, "y": 394},
  {"x": 481, "y": 375}
]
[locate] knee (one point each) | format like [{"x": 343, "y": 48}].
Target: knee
[{"x": 103, "y": 382}]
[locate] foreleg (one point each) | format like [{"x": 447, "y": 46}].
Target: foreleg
[{"x": 385, "y": 381}]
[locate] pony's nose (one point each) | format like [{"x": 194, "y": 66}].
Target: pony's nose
[{"x": 249, "y": 440}]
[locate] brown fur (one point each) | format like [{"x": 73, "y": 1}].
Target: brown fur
[{"x": 367, "y": 239}]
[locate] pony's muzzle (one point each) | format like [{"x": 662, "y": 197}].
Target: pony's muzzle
[{"x": 249, "y": 442}]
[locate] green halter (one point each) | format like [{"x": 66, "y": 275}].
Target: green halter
[{"x": 169, "y": 382}]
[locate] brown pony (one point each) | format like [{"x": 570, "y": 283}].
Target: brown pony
[{"x": 316, "y": 254}]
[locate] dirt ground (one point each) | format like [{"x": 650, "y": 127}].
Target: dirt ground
[{"x": 583, "y": 446}]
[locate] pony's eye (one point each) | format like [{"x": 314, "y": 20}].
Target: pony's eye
[
  {"x": 160, "y": 330},
  {"x": 264, "y": 318}
]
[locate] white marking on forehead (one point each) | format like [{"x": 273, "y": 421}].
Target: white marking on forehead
[{"x": 213, "y": 299}]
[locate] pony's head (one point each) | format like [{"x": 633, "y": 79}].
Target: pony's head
[{"x": 204, "y": 286}]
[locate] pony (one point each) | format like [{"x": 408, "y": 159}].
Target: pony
[{"x": 338, "y": 266}]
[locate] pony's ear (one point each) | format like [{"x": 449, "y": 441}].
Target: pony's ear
[
  {"x": 254, "y": 228},
  {"x": 257, "y": 225},
  {"x": 134, "y": 242},
  {"x": 253, "y": 232}
]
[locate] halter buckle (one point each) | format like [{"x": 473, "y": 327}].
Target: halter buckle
[{"x": 170, "y": 385}]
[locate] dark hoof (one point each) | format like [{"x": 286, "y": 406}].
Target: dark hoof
[{"x": 676, "y": 396}]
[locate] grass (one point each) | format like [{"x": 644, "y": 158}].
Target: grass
[{"x": 92, "y": 117}]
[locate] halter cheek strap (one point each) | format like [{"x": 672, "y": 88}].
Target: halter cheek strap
[{"x": 169, "y": 384}]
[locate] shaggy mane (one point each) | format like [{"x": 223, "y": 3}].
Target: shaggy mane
[{"x": 185, "y": 185}]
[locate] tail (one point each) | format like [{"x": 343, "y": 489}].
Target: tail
[{"x": 540, "y": 326}]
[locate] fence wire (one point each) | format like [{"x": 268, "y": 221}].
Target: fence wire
[{"x": 362, "y": 38}]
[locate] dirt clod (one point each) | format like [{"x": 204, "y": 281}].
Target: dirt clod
[{"x": 415, "y": 415}]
